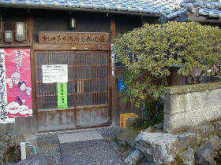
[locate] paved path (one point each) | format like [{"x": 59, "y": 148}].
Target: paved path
[
  {"x": 93, "y": 152},
  {"x": 90, "y": 148},
  {"x": 79, "y": 147}
]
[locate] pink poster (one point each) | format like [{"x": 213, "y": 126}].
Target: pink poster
[{"x": 18, "y": 80}]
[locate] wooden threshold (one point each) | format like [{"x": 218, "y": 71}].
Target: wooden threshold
[
  {"x": 15, "y": 45},
  {"x": 78, "y": 128},
  {"x": 77, "y": 46}
]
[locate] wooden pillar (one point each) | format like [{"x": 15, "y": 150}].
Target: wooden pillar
[
  {"x": 115, "y": 101},
  {"x": 30, "y": 28},
  {"x": 113, "y": 28}
]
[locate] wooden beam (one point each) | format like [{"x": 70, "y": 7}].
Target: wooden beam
[
  {"x": 75, "y": 47},
  {"x": 86, "y": 107},
  {"x": 113, "y": 86},
  {"x": 30, "y": 33},
  {"x": 30, "y": 23},
  {"x": 113, "y": 28},
  {"x": 12, "y": 45},
  {"x": 79, "y": 9},
  {"x": 1, "y": 28}
]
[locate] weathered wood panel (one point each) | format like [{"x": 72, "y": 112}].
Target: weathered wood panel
[
  {"x": 56, "y": 120},
  {"x": 94, "y": 117}
]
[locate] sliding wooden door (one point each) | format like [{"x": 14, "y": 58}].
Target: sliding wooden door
[{"x": 87, "y": 94}]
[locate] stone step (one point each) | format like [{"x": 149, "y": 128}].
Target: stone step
[{"x": 79, "y": 136}]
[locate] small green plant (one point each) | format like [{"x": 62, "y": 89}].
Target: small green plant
[
  {"x": 12, "y": 154},
  {"x": 152, "y": 114}
]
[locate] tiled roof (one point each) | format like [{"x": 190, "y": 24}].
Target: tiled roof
[
  {"x": 208, "y": 8},
  {"x": 166, "y": 8}
]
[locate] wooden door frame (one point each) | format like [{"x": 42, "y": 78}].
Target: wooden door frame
[{"x": 91, "y": 47}]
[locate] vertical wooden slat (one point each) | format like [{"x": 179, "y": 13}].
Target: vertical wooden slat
[
  {"x": 30, "y": 27},
  {"x": 33, "y": 78},
  {"x": 110, "y": 82}
]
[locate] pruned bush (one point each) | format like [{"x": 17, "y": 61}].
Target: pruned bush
[
  {"x": 12, "y": 154},
  {"x": 149, "y": 53}
]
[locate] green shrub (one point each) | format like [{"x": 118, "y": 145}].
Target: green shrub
[{"x": 148, "y": 53}]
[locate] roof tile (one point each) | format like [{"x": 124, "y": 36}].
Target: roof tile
[{"x": 155, "y": 7}]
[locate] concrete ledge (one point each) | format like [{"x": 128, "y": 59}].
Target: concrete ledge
[
  {"x": 193, "y": 88},
  {"x": 190, "y": 105}
]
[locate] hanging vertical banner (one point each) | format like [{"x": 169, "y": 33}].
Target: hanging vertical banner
[
  {"x": 18, "y": 74},
  {"x": 3, "y": 90},
  {"x": 62, "y": 95}
]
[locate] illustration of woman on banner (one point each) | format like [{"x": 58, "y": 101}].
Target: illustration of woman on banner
[{"x": 17, "y": 82}]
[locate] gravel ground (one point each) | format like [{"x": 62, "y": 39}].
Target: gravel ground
[{"x": 95, "y": 152}]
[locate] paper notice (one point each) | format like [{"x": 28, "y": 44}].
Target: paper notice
[{"x": 57, "y": 73}]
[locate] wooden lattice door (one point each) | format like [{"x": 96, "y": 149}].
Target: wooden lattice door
[{"x": 88, "y": 90}]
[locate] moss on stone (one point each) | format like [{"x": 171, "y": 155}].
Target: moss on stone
[{"x": 193, "y": 88}]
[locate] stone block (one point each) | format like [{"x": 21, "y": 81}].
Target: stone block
[
  {"x": 175, "y": 104},
  {"x": 188, "y": 157},
  {"x": 195, "y": 101},
  {"x": 163, "y": 147},
  {"x": 205, "y": 155},
  {"x": 174, "y": 121},
  {"x": 189, "y": 108},
  {"x": 196, "y": 117},
  {"x": 134, "y": 157}
]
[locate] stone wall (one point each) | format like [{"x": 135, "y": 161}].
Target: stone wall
[{"x": 192, "y": 104}]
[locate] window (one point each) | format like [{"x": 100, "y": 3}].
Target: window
[{"x": 13, "y": 30}]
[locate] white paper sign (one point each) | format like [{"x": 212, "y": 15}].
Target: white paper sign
[{"x": 57, "y": 73}]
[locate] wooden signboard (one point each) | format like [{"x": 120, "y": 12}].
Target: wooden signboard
[{"x": 73, "y": 37}]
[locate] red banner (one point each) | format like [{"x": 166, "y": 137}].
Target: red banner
[{"x": 18, "y": 74}]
